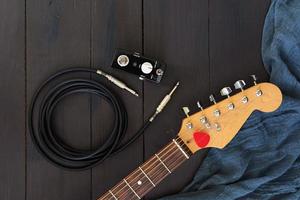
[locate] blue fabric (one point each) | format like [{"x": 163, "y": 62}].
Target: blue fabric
[{"x": 262, "y": 161}]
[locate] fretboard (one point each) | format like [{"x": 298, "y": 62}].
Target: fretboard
[{"x": 137, "y": 184}]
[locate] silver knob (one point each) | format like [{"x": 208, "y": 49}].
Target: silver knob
[
  {"x": 254, "y": 78},
  {"x": 147, "y": 68},
  {"x": 212, "y": 99},
  {"x": 240, "y": 84},
  {"x": 226, "y": 91},
  {"x": 123, "y": 60}
]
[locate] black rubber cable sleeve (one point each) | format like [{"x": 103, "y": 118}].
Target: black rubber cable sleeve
[{"x": 48, "y": 142}]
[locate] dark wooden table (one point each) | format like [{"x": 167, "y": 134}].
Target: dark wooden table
[{"x": 207, "y": 44}]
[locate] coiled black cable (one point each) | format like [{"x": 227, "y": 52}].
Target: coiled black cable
[{"x": 48, "y": 142}]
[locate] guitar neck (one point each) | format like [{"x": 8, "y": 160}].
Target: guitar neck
[{"x": 147, "y": 176}]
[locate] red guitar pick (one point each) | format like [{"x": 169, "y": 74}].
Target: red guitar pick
[{"x": 201, "y": 138}]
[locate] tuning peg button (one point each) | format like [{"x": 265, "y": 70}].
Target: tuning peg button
[
  {"x": 217, "y": 112},
  {"x": 240, "y": 84},
  {"x": 212, "y": 99},
  {"x": 199, "y": 105},
  {"x": 186, "y": 111},
  {"x": 226, "y": 91},
  {"x": 254, "y": 79}
]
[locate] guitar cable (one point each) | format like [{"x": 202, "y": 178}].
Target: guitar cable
[{"x": 52, "y": 147}]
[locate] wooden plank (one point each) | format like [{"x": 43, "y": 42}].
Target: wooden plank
[
  {"x": 175, "y": 32},
  {"x": 235, "y": 41},
  {"x": 116, "y": 24},
  {"x": 12, "y": 106},
  {"x": 58, "y": 36}
]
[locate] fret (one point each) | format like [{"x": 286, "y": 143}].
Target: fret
[
  {"x": 121, "y": 191},
  {"x": 131, "y": 189},
  {"x": 147, "y": 176},
  {"x": 137, "y": 184},
  {"x": 181, "y": 149},
  {"x": 163, "y": 163},
  {"x": 176, "y": 160},
  {"x": 112, "y": 194},
  {"x": 185, "y": 147},
  {"x": 140, "y": 181}
]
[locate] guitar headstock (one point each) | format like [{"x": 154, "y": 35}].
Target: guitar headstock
[{"x": 216, "y": 125}]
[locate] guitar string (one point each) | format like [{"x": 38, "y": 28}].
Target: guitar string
[
  {"x": 121, "y": 186},
  {"x": 139, "y": 174},
  {"x": 160, "y": 176},
  {"x": 144, "y": 192},
  {"x": 136, "y": 171},
  {"x": 148, "y": 162},
  {"x": 127, "y": 193},
  {"x": 146, "y": 170}
]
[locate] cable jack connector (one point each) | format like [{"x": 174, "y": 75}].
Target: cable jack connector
[
  {"x": 164, "y": 102},
  {"x": 117, "y": 82}
]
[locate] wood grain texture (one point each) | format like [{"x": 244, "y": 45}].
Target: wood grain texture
[
  {"x": 206, "y": 44},
  {"x": 12, "y": 100},
  {"x": 235, "y": 32},
  {"x": 116, "y": 24},
  {"x": 175, "y": 31},
  {"x": 58, "y": 36}
]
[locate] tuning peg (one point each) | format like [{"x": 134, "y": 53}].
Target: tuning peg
[
  {"x": 199, "y": 105},
  {"x": 254, "y": 78},
  {"x": 186, "y": 111},
  {"x": 240, "y": 84},
  {"x": 226, "y": 91},
  {"x": 212, "y": 99}
]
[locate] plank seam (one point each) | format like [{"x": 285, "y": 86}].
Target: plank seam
[
  {"x": 91, "y": 98},
  {"x": 208, "y": 47},
  {"x": 25, "y": 98},
  {"x": 143, "y": 84}
]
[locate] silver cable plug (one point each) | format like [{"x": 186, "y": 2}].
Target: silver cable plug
[
  {"x": 117, "y": 82},
  {"x": 164, "y": 102}
]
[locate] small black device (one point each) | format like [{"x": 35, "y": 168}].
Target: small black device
[{"x": 135, "y": 63}]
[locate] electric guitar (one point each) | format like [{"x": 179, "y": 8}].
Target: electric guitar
[{"x": 214, "y": 126}]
